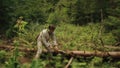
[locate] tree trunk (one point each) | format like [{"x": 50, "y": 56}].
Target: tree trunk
[{"x": 70, "y": 53}]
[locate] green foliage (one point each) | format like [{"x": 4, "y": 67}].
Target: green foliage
[
  {"x": 28, "y": 38},
  {"x": 79, "y": 37},
  {"x": 5, "y": 14},
  {"x": 55, "y": 11},
  {"x": 117, "y": 64},
  {"x": 112, "y": 24},
  {"x": 13, "y": 60},
  {"x": 69, "y": 37},
  {"x": 10, "y": 33},
  {"x": 2, "y": 56},
  {"x": 97, "y": 61},
  {"x": 53, "y": 19},
  {"x": 109, "y": 38},
  {"x": 38, "y": 63},
  {"x": 21, "y": 27},
  {"x": 31, "y": 10},
  {"x": 77, "y": 64},
  {"x": 16, "y": 30}
]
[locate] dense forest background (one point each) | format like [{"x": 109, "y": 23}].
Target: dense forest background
[
  {"x": 79, "y": 12},
  {"x": 78, "y": 22},
  {"x": 56, "y": 11}
]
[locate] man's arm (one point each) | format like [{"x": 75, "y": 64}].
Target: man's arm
[
  {"x": 47, "y": 44},
  {"x": 54, "y": 40}
]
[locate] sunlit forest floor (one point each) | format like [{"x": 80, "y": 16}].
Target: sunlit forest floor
[{"x": 69, "y": 37}]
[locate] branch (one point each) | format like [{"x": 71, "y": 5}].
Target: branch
[{"x": 69, "y": 62}]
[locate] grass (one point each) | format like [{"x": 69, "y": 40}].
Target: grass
[
  {"x": 69, "y": 37},
  {"x": 74, "y": 37}
]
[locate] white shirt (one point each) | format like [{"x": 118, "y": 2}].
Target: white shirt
[{"x": 45, "y": 38}]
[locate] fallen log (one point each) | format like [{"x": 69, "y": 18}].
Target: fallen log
[
  {"x": 97, "y": 53},
  {"x": 8, "y": 48},
  {"x": 71, "y": 53}
]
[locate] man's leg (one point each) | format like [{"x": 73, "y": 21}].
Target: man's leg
[{"x": 39, "y": 51}]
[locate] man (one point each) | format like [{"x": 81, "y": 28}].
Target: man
[{"x": 44, "y": 39}]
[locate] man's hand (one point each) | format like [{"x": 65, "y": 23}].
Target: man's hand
[
  {"x": 50, "y": 46},
  {"x": 56, "y": 48}
]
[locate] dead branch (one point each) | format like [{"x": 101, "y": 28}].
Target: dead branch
[{"x": 69, "y": 62}]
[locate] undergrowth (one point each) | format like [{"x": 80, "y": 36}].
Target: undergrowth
[{"x": 69, "y": 37}]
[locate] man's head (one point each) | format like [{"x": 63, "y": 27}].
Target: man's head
[{"x": 51, "y": 28}]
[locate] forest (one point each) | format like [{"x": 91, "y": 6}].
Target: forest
[{"x": 87, "y": 33}]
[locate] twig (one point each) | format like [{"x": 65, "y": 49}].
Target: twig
[{"x": 69, "y": 62}]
